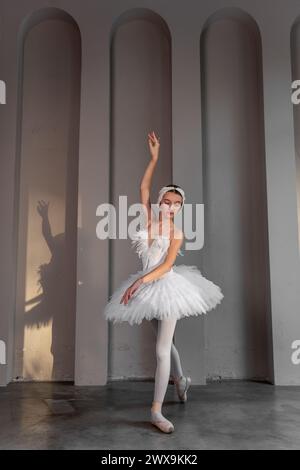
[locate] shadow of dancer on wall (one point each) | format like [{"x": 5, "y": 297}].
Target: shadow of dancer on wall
[{"x": 57, "y": 302}]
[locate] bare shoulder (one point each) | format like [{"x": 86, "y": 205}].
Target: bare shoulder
[
  {"x": 178, "y": 234},
  {"x": 176, "y": 238}
]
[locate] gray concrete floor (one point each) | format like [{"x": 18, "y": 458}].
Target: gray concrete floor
[{"x": 225, "y": 415}]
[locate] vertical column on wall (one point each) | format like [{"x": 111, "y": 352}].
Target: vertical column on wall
[
  {"x": 295, "y": 64},
  {"x": 9, "y": 144},
  {"x": 295, "y": 68},
  {"x": 236, "y": 243},
  {"x": 8, "y": 54},
  {"x": 282, "y": 199},
  {"x": 93, "y": 190}
]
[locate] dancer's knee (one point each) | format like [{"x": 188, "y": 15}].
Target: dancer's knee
[{"x": 162, "y": 353}]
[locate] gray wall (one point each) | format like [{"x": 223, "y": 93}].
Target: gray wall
[{"x": 222, "y": 108}]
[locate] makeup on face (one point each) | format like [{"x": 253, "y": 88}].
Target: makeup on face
[{"x": 173, "y": 205}]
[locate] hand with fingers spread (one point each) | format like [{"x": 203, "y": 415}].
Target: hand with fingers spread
[
  {"x": 130, "y": 291},
  {"x": 42, "y": 208},
  {"x": 153, "y": 145}
]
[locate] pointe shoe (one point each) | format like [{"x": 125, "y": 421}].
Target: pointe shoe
[
  {"x": 182, "y": 386},
  {"x": 158, "y": 420}
]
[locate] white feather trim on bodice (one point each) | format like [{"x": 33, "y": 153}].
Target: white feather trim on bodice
[{"x": 155, "y": 253}]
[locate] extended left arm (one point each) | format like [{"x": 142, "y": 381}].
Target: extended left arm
[
  {"x": 157, "y": 272},
  {"x": 166, "y": 265}
]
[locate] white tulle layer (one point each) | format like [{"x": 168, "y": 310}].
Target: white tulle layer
[{"x": 180, "y": 293}]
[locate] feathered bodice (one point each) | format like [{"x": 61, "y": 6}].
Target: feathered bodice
[
  {"x": 154, "y": 254},
  {"x": 180, "y": 292}
]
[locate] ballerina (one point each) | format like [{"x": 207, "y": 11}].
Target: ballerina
[{"x": 162, "y": 292}]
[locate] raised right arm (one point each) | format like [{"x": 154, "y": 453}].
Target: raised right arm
[{"x": 145, "y": 185}]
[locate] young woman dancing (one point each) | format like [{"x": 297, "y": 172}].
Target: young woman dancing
[{"x": 162, "y": 292}]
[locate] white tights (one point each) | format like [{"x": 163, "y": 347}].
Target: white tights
[{"x": 165, "y": 351}]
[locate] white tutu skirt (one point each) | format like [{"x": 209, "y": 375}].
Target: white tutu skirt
[{"x": 181, "y": 292}]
